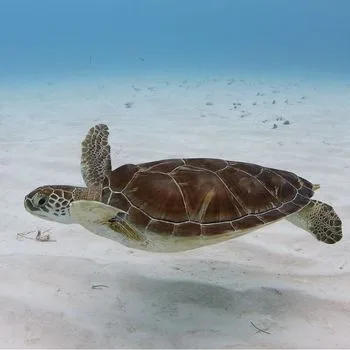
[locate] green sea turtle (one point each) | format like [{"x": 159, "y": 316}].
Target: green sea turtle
[{"x": 180, "y": 204}]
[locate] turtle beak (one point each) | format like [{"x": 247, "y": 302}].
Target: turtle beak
[{"x": 28, "y": 205}]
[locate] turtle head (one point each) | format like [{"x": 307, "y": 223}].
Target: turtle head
[{"x": 52, "y": 202}]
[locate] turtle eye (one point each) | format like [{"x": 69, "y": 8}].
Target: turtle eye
[
  {"x": 39, "y": 201},
  {"x": 42, "y": 201}
]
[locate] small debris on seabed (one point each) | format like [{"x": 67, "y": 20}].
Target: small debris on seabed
[
  {"x": 128, "y": 104},
  {"x": 274, "y": 126},
  {"x": 99, "y": 286},
  {"x": 286, "y": 122},
  {"x": 135, "y": 88},
  {"x": 41, "y": 236},
  {"x": 259, "y": 330},
  {"x": 342, "y": 266},
  {"x": 209, "y": 103}
]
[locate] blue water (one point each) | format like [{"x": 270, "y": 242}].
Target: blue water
[{"x": 63, "y": 37}]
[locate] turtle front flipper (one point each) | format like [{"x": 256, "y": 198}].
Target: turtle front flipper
[
  {"x": 95, "y": 156},
  {"x": 107, "y": 221},
  {"x": 321, "y": 220}
]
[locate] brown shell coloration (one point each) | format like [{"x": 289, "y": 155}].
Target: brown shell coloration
[{"x": 201, "y": 196}]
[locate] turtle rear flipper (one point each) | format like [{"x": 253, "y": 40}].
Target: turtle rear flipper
[
  {"x": 106, "y": 221},
  {"x": 321, "y": 220}
]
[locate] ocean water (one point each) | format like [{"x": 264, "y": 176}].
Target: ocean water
[{"x": 65, "y": 38}]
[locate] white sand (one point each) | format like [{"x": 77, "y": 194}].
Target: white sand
[{"x": 279, "y": 278}]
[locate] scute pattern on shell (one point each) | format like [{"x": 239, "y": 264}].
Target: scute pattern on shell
[{"x": 203, "y": 196}]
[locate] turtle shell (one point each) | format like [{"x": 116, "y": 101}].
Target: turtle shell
[{"x": 203, "y": 196}]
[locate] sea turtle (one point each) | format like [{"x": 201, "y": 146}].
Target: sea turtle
[{"x": 180, "y": 204}]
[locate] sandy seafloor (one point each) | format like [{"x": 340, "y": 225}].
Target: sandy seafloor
[{"x": 279, "y": 278}]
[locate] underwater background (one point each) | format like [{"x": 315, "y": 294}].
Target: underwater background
[
  {"x": 259, "y": 81},
  {"x": 60, "y": 38}
]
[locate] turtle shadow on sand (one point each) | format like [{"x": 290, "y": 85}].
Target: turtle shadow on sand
[
  {"x": 139, "y": 308},
  {"x": 184, "y": 313},
  {"x": 171, "y": 292}
]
